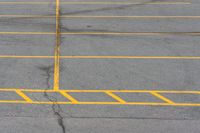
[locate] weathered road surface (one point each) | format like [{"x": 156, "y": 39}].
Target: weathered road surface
[{"x": 100, "y": 66}]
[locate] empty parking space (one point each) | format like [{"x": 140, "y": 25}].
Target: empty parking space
[
  {"x": 132, "y": 62},
  {"x": 100, "y": 45}
]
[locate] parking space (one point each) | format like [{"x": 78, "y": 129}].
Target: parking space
[
  {"x": 133, "y": 62},
  {"x": 107, "y": 45}
]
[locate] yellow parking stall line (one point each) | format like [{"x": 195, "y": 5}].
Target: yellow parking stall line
[
  {"x": 32, "y": 102},
  {"x": 104, "y": 103},
  {"x": 57, "y": 49},
  {"x": 25, "y": 97},
  {"x": 96, "y": 3},
  {"x": 25, "y": 3},
  {"x": 103, "y": 91},
  {"x": 132, "y": 17},
  {"x": 102, "y": 57},
  {"x": 124, "y": 3},
  {"x": 132, "y": 33},
  {"x": 26, "y": 57},
  {"x": 119, "y": 101},
  {"x": 130, "y": 57},
  {"x": 115, "y": 97},
  {"x": 105, "y": 33},
  {"x": 141, "y": 104},
  {"x": 72, "y": 99},
  {"x": 100, "y": 17},
  {"x": 162, "y": 97},
  {"x": 27, "y": 16},
  {"x": 27, "y": 33}
]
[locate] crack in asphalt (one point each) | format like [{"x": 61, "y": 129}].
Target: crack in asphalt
[
  {"x": 57, "y": 110},
  {"x": 48, "y": 71},
  {"x": 110, "y": 8}
]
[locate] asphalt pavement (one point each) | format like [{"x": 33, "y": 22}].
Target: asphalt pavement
[{"x": 100, "y": 66}]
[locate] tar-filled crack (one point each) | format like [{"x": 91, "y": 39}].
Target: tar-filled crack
[{"x": 121, "y": 7}]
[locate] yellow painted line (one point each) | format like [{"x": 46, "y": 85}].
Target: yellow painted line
[
  {"x": 107, "y": 103},
  {"x": 130, "y": 57},
  {"x": 132, "y": 17},
  {"x": 27, "y": 16},
  {"x": 104, "y": 33},
  {"x": 101, "y": 17},
  {"x": 95, "y": 3},
  {"x": 33, "y": 102},
  {"x": 72, "y": 99},
  {"x": 115, "y": 97},
  {"x": 101, "y": 57},
  {"x": 20, "y": 92},
  {"x": 57, "y": 48},
  {"x": 26, "y": 57},
  {"x": 103, "y": 91},
  {"x": 131, "y": 33},
  {"x": 162, "y": 97},
  {"x": 27, "y": 33},
  {"x": 122, "y": 3},
  {"x": 25, "y": 97}
]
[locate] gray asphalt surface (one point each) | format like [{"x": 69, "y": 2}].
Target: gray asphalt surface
[{"x": 97, "y": 74}]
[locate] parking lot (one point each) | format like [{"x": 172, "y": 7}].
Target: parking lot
[{"x": 100, "y": 66}]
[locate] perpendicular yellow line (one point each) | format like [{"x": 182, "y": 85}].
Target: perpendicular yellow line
[
  {"x": 130, "y": 57},
  {"x": 105, "y": 33},
  {"x": 57, "y": 48},
  {"x": 102, "y": 103},
  {"x": 26, "y": 57},
  {"x": 27, "y": 33},
  {"x": 132, "y": 17},
  {"x": 124, "y": 3},
  {"x": 102, "y": 57},
  {"x": 27, "y": 16},
  {"x": 132, "y": 33},
  {"x": 95, "y": 3},
  {"x": 104, "y": 91},
  {"x": 100, "y": 17}
]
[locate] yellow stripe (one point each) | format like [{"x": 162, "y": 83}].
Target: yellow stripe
[
  {"x": 105, "y": 103},
  {"x": 102, "y": 57},
  {"x": 27, "y": 33},
  {"x": 26, "y": 57},
  {"x": 162, "y": 97},
  {"x": 102, "y": 17},
  {"x": 72, "y": 99},
  {"x": 105, "y": 57},
  {"x": 25, "y": 97},
  {"x": 130, "y": 57},
  {"x": 57, "y": 48},
  {"x": 132, "y": 17},
  {"x": 115, "y": 97},
  {"x": 131, "y": 33},
  {"x": 104, "y": 33},
  {"x": 95, "y": 3},
  {"x": 125, "y": 3},
  {"x": 103, "y": 91},
  {"x": 27, "y": 16}
]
